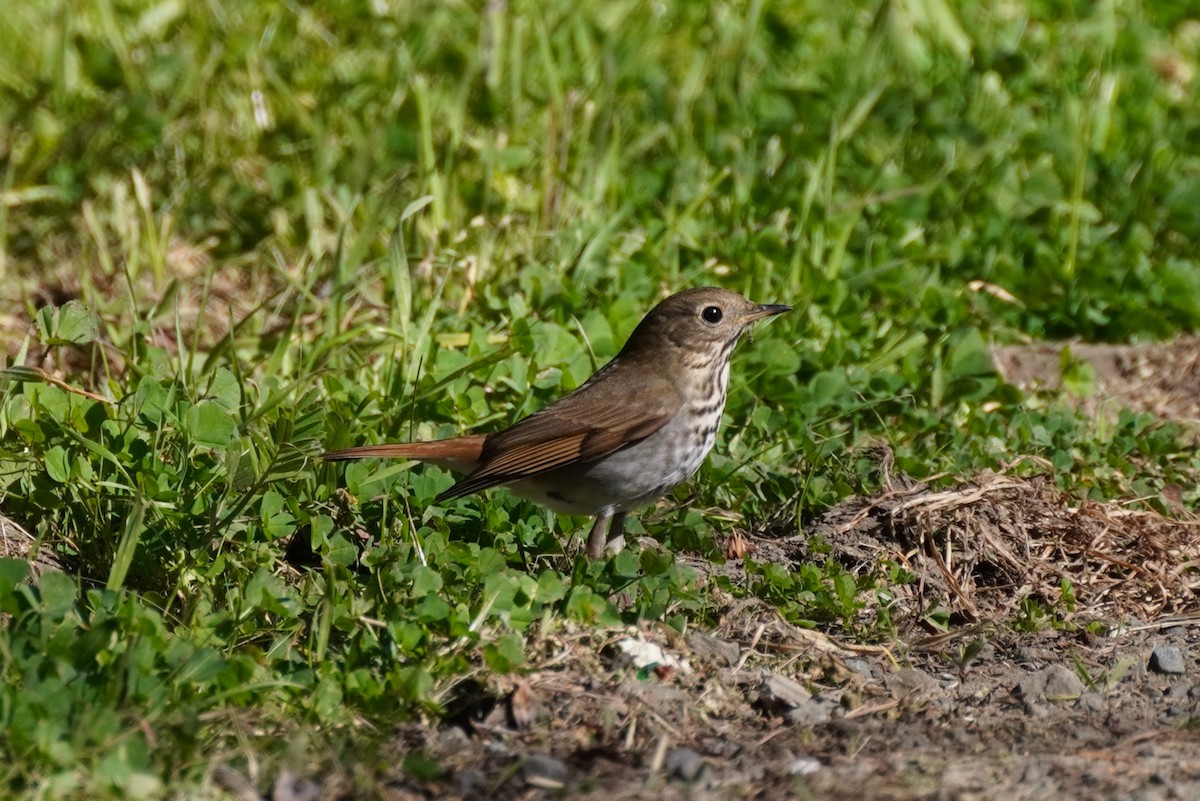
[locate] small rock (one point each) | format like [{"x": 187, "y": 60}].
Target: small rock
[
  {"x": 803, "y": 766},
  {"x": 860, "y": 666},
  {"x": 1090, "y": 701},
  {"x": 1031, "y": 687},
  {"x": 451, "y": 740},
  {"x": 778, "y": 694},
  {"x": 1036, "y": 709},
  {"x": 714, "y": 649},
  {"x": 497, "y": 747},
  {"x": 1053, "y": 683},
  {"x": 543, "y": 771},
  {"x": 1167, "y": 659},
  {"x": 684, "y": 763},
  {"x": 640, "y": 654},
  {"x": 1062, "y": 684},
  {"x": 910, "y": 682},
  {"x": 808, "y": 713}
]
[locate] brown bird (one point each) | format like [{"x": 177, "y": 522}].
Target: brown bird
[{"x": 641, "y": 425}]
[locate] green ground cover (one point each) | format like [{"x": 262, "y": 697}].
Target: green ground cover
[{"x": 255, "y": 230}]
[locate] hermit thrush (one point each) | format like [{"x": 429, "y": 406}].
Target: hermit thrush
[{"x": 641, "y": 425}]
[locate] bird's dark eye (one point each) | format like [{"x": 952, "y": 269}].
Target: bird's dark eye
[{"x": 712, "y": 314}]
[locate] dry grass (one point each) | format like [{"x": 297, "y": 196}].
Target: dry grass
[
  {"x": 17, "y": 543},
  {"x": 984, "y": 546}
]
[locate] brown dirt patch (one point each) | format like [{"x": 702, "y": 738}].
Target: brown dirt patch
[
  {"x": 17, "y": 543},
  {"x": 1161, "y": 378},
  {"x": 986, "y": 546}
]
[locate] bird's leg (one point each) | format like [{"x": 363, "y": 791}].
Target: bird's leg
[
  {"x": 616, "y": 533},
  {"x": 596, "y": 537}
]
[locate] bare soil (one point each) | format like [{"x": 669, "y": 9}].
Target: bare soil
[{"x": 1162, "y": 378}]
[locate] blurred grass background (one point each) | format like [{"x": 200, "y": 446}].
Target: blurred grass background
[{"x": 847, "y": 157}]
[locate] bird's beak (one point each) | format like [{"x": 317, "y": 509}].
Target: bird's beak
[{"x": 766, "y": 310}]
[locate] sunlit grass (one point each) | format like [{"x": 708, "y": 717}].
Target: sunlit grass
[{"x": 307, "y": 227}]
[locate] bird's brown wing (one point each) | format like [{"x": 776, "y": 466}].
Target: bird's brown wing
[{"x": 597, "y": 419}]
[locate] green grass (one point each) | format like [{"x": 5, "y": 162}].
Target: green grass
[{"x": 291, "y": 227}]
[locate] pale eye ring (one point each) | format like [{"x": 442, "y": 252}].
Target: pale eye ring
[{"x": 712, "y": 314}]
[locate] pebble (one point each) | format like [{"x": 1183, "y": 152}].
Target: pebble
[
  {"x": 1090, "y": 701},
  {"x": 778, "y": 694},
  {"x": 1062, "y": 684},
  {"x": 1036, "y": 709},
  {"x": 540, "y": 770},
  {"x": 803, "y": 766},
  {"x": 1053, "y": 683},
  {"x": 910, "y": 682},
  {"x": 860, "y": 666},
  {"x": 1167, "y": 659},
  {"x": 641, "y": 654},
  {"x": 452, "y": 739},
  {"x": 813, "y": 711},
  {"x": 684, "y": 763}
]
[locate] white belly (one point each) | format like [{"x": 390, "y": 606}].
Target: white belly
[{"x": 633, "y": 476}]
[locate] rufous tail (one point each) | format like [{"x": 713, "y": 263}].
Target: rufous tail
[{"x": 460, "y": 454}]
